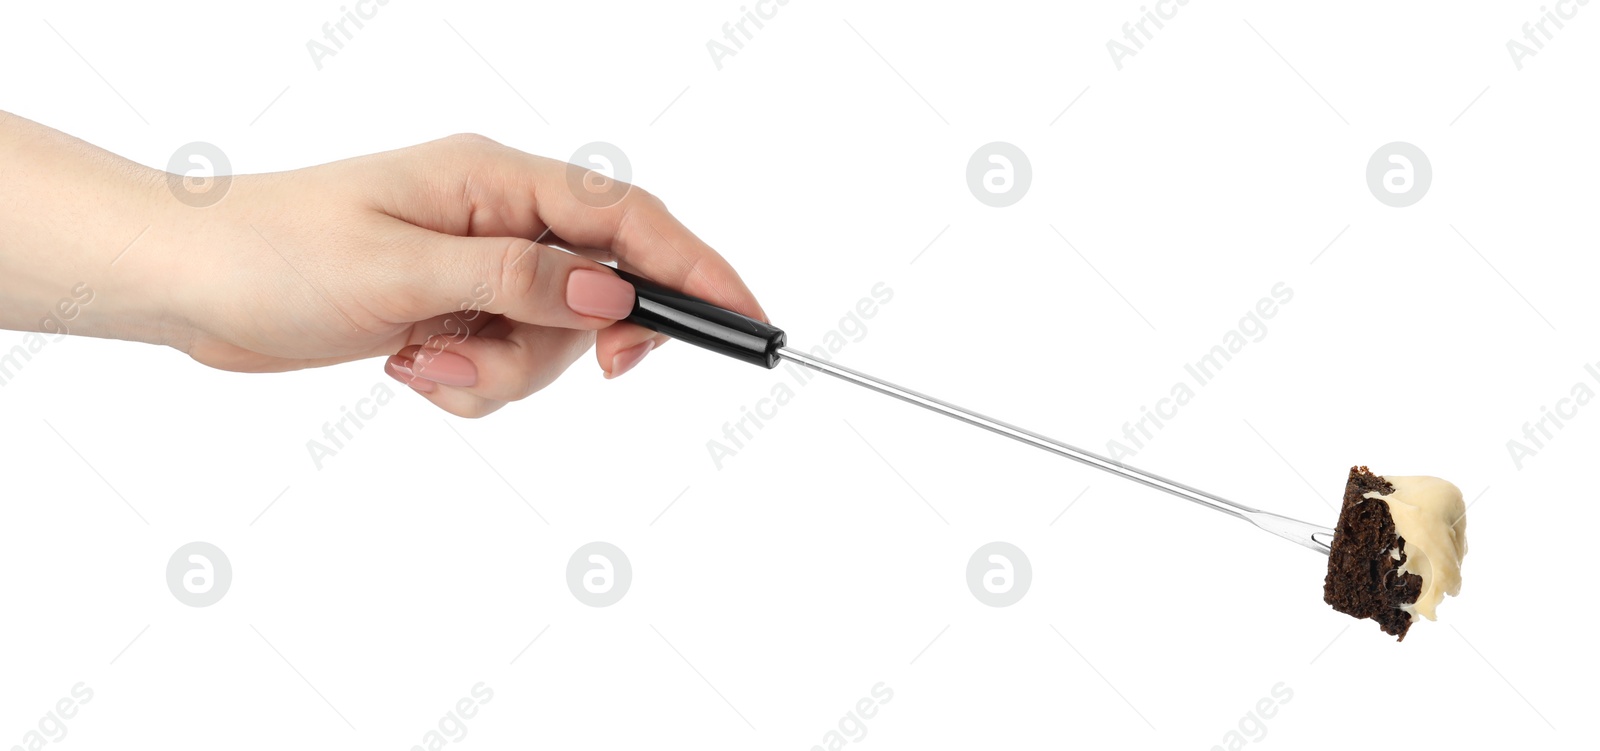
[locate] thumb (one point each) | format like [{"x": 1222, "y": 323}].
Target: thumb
[{"x": 511, "y": 276}]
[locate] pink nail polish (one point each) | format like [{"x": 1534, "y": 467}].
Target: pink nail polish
[
  {"x": 624, "y": 361},
  {"x": 399, "y": 368},
  {"x": 447, "y": 368},
  {"x": 601, "y": 294}
]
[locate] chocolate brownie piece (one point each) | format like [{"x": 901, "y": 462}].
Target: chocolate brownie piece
[{"x": 1363, "y": 568}]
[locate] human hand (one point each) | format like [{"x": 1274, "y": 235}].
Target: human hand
[{"x": 444, "y": 255}]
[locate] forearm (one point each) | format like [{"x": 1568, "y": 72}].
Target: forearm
[{"x": 73, "y": 219}]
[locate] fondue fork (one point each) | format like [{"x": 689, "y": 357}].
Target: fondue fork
[{"x": 720, "y": 330}]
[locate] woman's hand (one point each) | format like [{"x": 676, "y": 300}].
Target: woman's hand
[{"x": 444, "y": 256}]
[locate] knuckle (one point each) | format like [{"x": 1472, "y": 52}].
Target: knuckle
[
  {"x": 519, "y": 269},
  {"x": 470, "y": 140},
  {"x": 464, "y": 146},
  {"x": 636, "y": 221},
  {"x": 530, "y": 384},
  {"x": 473, "y": 409},
  {"x": 645, "y": 199}
]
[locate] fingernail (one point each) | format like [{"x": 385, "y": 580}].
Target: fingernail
[
  {"x": 624, "y": 361},
  {"x": 601, "y": 294},
  {"x": 447, "y": 368},
  {"x": 399, "y": 368}
]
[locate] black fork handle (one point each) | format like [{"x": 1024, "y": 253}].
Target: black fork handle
[{"x": 703, "y": 324}]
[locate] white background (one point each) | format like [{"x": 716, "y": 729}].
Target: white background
[{"x": 829, "y": 554}]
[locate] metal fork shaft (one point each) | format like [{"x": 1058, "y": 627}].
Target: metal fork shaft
[{"x": 1304, "y": 533}]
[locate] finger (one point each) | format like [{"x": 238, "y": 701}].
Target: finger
[
  {"x": 498, "y": 369},
  {"x": 648, "y": 240},
  {"x": 471, "y": 185},
  {"x": 600, "y": 255},
  {"x": 522, "y": 280},
  {"x": 462, "y": 323},
  {"x": 603, "y": 255},
  {"x": 455, "y": 401},
  {"x": 621, "y": 347},
  {"x": 618, "y": 348}
]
